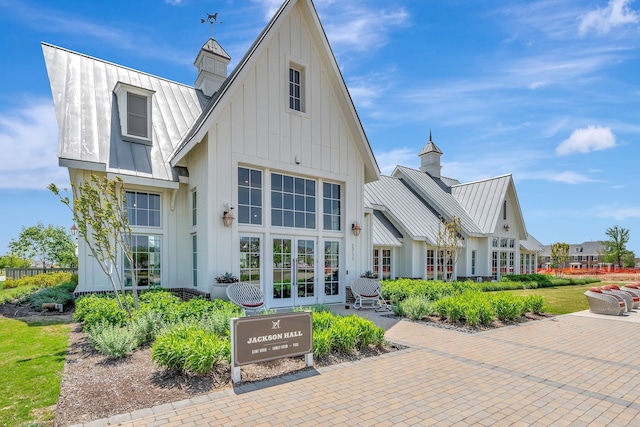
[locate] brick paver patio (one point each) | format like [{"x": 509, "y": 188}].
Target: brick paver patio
[{"x": 573, "y": 370}]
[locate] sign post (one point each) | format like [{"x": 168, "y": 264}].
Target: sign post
[{"x": 261, "y": 338}]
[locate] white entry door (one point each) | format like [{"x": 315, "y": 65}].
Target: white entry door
[{"x": 295, "y": 281}]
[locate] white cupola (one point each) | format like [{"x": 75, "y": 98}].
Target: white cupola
[
  {"x": 430, "y": 159},
  {"x": 211, "y": 62}
]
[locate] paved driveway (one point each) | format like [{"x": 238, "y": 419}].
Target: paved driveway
[{"x": 573, "y": 370}]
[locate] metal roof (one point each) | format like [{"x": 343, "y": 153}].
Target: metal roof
[
  {"x": 88, "y": 119},
  {"x": 483, "y": 200},
  {"x": 384, "y": 232},
  {"x": 403, "y": 207},
  {"x": 442, "y": 201},
  {"x": 591, "y": 248},
  {"x": 531, "y": 244}
]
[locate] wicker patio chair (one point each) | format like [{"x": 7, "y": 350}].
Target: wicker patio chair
[
  {"x": 368, "y": 291},
  {"x": 247, "y": 296},
  {"x": 626, "y": 296},
  {"x": 632, "y": 288},
  {"x": 605, "y": 303}
]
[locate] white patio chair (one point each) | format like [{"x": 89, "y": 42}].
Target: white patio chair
[
  {"x": 368, "y": 291},
  {"x": 247, "y": 296}
]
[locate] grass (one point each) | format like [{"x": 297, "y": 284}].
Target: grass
[
  {"x": 563, "y": 299},
  {"x": 32, "y": 360}
]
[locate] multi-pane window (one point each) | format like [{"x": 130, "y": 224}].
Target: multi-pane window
[
  {"x": 494, "y": 264},
  {"x": 293, "y": 202},
  {"x": 143, "y": 209},
  {"x": 194, "y": 208},
  {"x": 430, "y": 263},
  {"x": 249, "y": 196},
  {"x": 331, "y": 268},
  {"x": 194, "y": 260},
  {"x": 494, "y": 242},
  {"x": 146, "y": 261},
  {"x": 386, "y": 264},
  {"x": 250, "y": 260},
  {"x": 331, "y": 206},
  {"x": 137, "y": 115},
  {"x": 295, "y": 89}
]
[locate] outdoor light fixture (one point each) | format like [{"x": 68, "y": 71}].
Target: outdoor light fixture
[
  {"x": 74, "y": 230},
  {"x": 506, "y": 227},
  {"x": 227, "y": 216},
  {"x": 355, "y": 227}
]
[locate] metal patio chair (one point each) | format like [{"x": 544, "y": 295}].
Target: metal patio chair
[
  {"x": 368, "y": 291},
  {"x": 247, "y": 296}
]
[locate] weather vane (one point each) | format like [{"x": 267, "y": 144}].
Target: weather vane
[{"x": 211, "y": 19}]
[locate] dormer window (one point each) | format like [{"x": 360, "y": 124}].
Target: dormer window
[{"x": 135, "y": 108}]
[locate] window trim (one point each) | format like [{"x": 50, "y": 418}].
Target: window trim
[
  {"x": 302, "y": 67},
  {"x": 194, "y": 207},
  {"x": 122, "y": 90}
]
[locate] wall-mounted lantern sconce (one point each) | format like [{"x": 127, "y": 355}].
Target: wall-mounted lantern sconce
[
  {"x": 355, "y": 227},
  {"x": 506, "y": 227},
  {"x": 227, "y": 216},
  {"x": 74, "y": 230}
]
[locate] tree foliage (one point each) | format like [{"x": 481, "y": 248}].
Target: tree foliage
[
  {"x": 615, "y": 249},
  {"x": 47, "y": 245},
  {"x": 559, "y": 256},
  {"x": 13, "y": 261},
  {"x": 449, "y": 244},
  {"x": 99, "y": 211}
]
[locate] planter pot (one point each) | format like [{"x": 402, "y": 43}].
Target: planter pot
[{"x": 219, "y": 291}]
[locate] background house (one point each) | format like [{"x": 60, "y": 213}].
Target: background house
[
  {"x": 407, "y": 210},
  {"x": 276, "y": 144},
  {"x": 585, "y": 255}
]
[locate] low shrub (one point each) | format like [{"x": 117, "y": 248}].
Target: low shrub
[
  {"x": 189, "y": 349},
  {"x": 401, "y": 289},
  {"x": 39, "y": 281},
  {"x": 534, "y": 303},
  {"x": 112, "y": 340},
  {"x": 507, "y": 306},
  {"x": 322, "y": 342},
  {"x": 473, "y": 308},
  {"x": 94, "y": 309},
  {"x": 506, "y": 286},
  {"x": 543, "y": 280},
  {"x": 416, "y": 307},
  {"x": 60, "y": 294},
  {"x": 146, "y": 327}
]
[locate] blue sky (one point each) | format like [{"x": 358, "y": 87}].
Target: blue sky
[{"x": 547, "y": 91}]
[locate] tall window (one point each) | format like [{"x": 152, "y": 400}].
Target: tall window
[
  {"x": 293, "y": 202},
  {"x": 194, "y": 208},
  {"x": 473, "y": 262},
  {"x": 494, "y": 265},
  {"x": 376, "y": 264},
  {"x": 430, "y": 263},
  {"x": 331, "y": 206},
  {"x": 249, "y": 196},
  {"x": 137, "y": 115},
  {"x": 504, "y": 210},
  {"x": 295, "y": 89},
  {"x": 194, "y": 260},
  {"x": 331, "y": 268},
  {"x": 386, "y": 264},
  {"x": 250, "y": 260},
  {"x": 143, "y": 209},
  {"x": 146, "y": 261}
]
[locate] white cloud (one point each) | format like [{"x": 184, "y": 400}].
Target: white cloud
[
  {"x": 387, "y": 161},
  {"x": 174, "y": 2},
  {"x": 619, "y": 213},
  {"x": 617, "y": 13},
  {"x": 536, "y": 85},
  {"x": 591, "y": 138},
  {"x": 29, "y": 143},
  {"x": 570, "y": 177}
]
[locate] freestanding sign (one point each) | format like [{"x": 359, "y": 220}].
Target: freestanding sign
[{"x": 262, "y": 338}]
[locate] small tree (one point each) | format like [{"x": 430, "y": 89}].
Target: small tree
[
  {"x": 48, "y": 245},
  {"x": 615, "y": 249},
  {"x": 98, "y": 210},
  {"x": 13, "y": 261},
  {"x": 559, "y": 256},
  {"x": 629, "y": 260},
  {"x": 449, "y": 244}
]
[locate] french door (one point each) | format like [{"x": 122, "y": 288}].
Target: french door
[{"x": 295, "y": 281}]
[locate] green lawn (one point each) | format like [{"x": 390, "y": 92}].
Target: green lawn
[
  {"x": 562, "y": 299},
  {"x": 31, "y": 365}
]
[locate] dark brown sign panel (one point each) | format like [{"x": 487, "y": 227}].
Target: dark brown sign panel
[{"x": 261, "y": 338}]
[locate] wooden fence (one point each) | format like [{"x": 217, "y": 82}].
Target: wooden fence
[{"x": 17, "y": 273}]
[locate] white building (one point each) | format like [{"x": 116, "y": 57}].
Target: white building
[
  {"x": 277, "y": 144},
  {"x": 406, "y": 213}
]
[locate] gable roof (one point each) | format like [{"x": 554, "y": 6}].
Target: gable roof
[
  {"x": 483, "y": 200},
  {"x": 384, "y": 233},
  {"x": 401, "y": 205},
  {"x": 88, "y": 120},
  {"x": 531, "y": 244},
  {"x": 442, "y": 201},
  {"x": 334, "y": 76}
]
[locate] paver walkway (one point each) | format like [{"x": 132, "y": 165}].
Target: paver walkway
[{"x": 573, "y": 370}]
